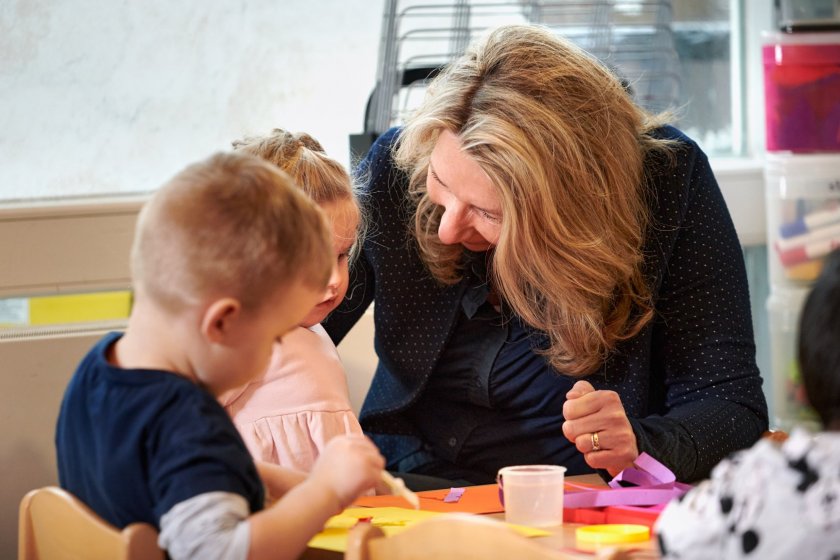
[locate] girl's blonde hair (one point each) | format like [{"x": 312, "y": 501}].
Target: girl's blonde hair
[
  {"x": 318, "y": 175},
  {"x": 564, "y": 146}
]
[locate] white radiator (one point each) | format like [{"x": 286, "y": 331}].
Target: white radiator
[{"x": 34, "y": 370}]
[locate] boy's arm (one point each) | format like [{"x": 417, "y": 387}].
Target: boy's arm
[
  {"x": 217, "y": 525},
  {"x": 348, "y": 466},
  {"x": 278, "y": 480},
  {"x": 210, "y": 525},
  {"x": 282, "y": 530}
]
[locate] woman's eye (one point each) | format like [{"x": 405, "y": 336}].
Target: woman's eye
[{"x": 488, "y": 217}]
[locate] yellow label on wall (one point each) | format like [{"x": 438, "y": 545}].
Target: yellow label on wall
[{"x": 79, "y": 308}]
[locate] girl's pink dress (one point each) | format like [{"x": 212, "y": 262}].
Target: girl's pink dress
[{"x": 287, "y": 415}]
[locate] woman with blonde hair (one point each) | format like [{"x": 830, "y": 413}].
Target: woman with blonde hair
[{"x": 557, "y": 278}]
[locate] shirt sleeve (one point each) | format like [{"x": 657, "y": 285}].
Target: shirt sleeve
[
  {"x": 703, "y": 350},
  {"x": 210, "y": 526},
  {"x": 194, "y": 449}
]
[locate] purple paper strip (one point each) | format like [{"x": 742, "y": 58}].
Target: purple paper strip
[
  {"x": 646, "y": 471},
  {"x": 454, "y": 495},
  {"x": 620, "y": 497},
  {"x": 654, "y": 484},
  {"x": 656, "y": 469}
]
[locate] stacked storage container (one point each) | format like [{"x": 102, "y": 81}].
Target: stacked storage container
[{"x": 802, "y": 175}]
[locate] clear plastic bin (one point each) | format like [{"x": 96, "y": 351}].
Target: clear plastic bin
[
  {"x": 803, "y": 215},
  {"x": 801, "y": 15},
  {"x": 789, "y": 405}
]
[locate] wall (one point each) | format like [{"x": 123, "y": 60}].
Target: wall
[{"x": 103, "y": 97}]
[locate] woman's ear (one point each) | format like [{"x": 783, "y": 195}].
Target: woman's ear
[{"x": 219, "y": 319}]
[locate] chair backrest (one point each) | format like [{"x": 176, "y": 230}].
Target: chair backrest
[
  {"x": 55, "y": 525},
  {"x": 451, "y": 536},
  {"x": 776, "y": 436}
]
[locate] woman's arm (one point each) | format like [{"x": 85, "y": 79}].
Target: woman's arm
[
  {"x": 702, "y": 346},
  {"x": 704, "y": 391},
  {"x": 598, "y": 426}
]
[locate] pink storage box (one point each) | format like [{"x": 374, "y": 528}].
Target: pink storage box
[{"x": 802, "y": 91}]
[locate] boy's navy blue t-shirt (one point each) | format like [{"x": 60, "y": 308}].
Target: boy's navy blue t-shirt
[{"x": 133, "y": 443}]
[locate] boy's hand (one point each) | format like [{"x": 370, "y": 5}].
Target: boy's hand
[
  {"x": 349, "y": 465},
  {"x": 598, "y": 426}
]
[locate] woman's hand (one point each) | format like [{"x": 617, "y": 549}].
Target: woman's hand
[{"x": 598, "y": 426}]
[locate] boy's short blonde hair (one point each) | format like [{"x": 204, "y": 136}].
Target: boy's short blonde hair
[{"x": 231, "y": 225}]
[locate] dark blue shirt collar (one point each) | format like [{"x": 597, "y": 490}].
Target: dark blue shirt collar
[{"x": 476, "y": 278}]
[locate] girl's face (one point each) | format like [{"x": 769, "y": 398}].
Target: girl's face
[
  {"x": 472, "y": 211},
  {"x": 343, "y": 215}
]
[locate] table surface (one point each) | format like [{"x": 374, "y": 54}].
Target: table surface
[{"x": 562, "y": 538}]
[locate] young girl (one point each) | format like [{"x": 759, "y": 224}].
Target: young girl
[{"x": 289, "y": 414}]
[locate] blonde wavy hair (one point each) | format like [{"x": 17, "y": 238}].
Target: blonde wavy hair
[
  {"x": 318, "y": 175},
  {"x": 564, "y": 145},
  {"x": 230, "y": 225}
]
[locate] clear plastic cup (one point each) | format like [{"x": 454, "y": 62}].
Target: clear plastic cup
[{"x": 533, "y": 494}]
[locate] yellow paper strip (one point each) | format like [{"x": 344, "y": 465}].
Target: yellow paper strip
[{"x": 391, "y": 520}]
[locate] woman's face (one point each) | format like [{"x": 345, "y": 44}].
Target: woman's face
[{"x": 472, "y": 211}]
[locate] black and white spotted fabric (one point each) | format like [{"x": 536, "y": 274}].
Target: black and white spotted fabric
[{"x": 767, "y": 502}]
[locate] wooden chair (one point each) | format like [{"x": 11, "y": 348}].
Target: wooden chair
[
  {"x": 451, "y": 536},
  {"x": 776, "y": 436},
  {"x": 55, "y": 525}
]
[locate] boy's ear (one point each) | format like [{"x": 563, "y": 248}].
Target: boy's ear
[{"x": 219, "y": 318}]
